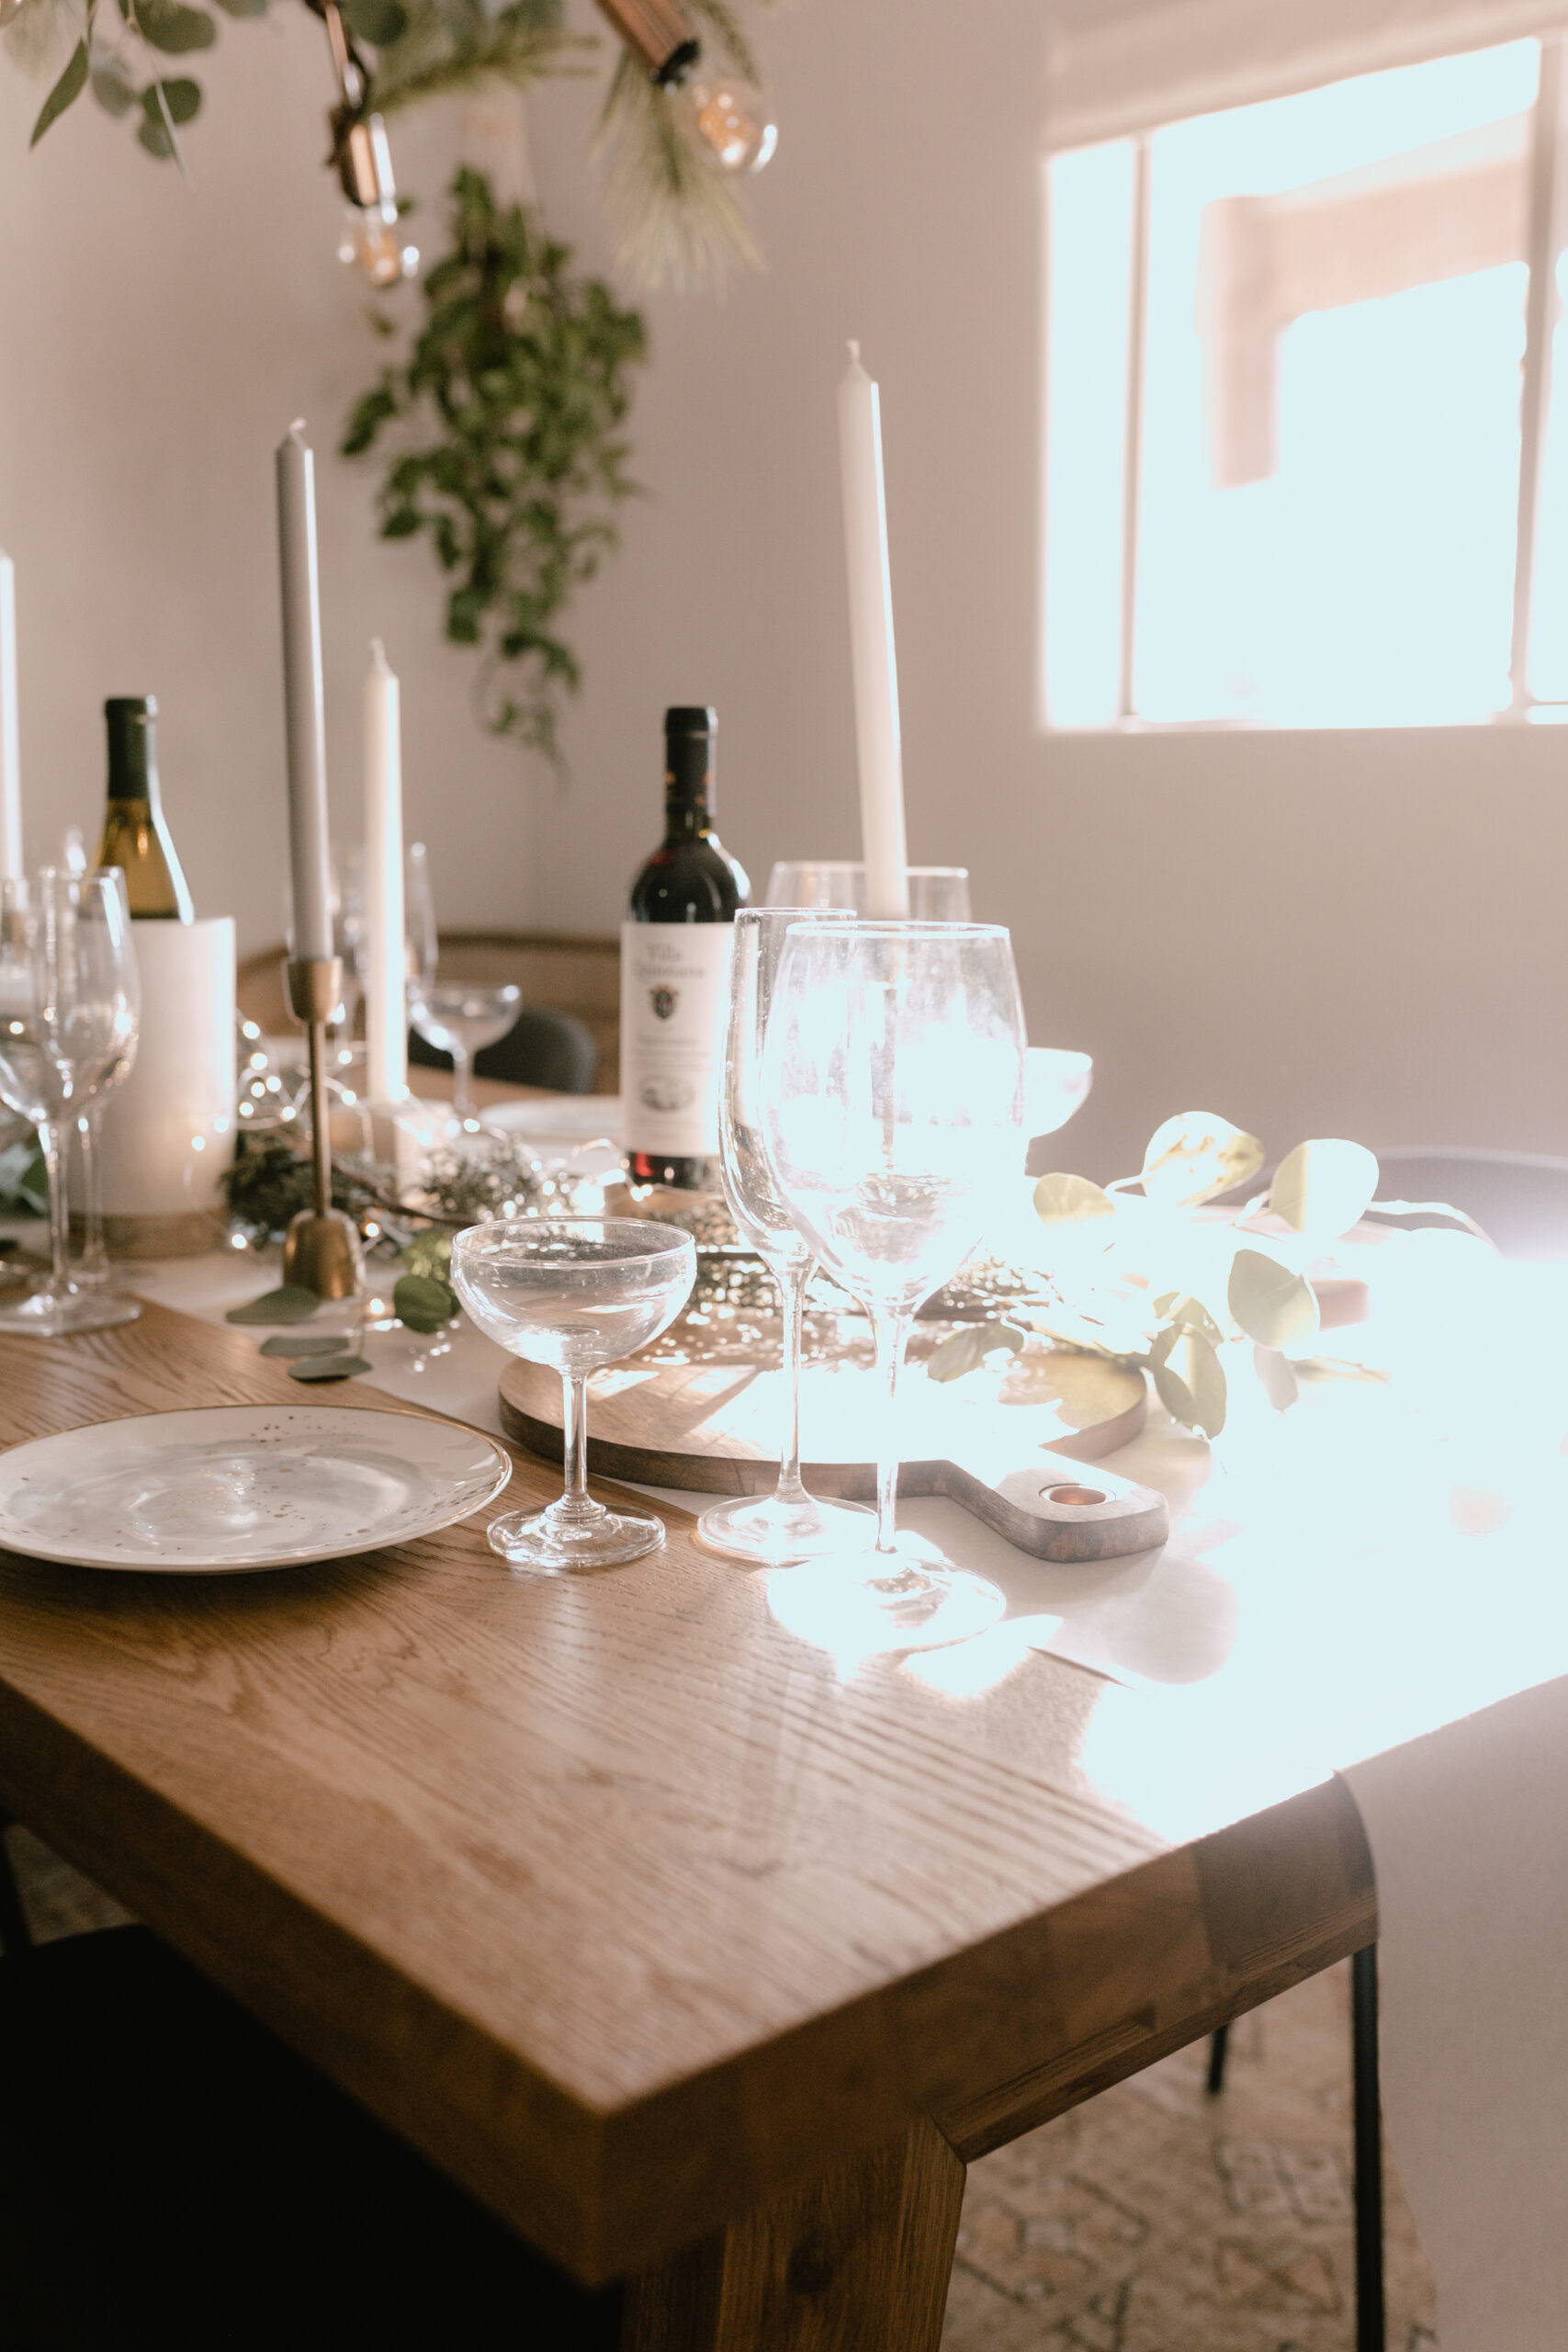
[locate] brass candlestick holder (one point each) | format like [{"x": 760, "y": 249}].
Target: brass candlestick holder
[{"x": 320, "y": 1249}]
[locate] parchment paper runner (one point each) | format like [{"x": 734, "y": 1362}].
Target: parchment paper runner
[{"x": 1469, "y": 1833}]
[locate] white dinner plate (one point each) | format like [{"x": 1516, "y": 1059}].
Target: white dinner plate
[
  {"x": 558, "y": 1119},
  {"x": 230, "y": 1487}
]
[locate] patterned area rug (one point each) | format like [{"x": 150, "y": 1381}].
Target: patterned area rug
[{"x": 1156, "y": 2219}]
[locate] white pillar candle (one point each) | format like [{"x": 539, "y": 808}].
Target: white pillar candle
[
  {"x": 304, "y": 700},
  {"x": 871, "y": 647},
  {"x": 11, "y": 867},
  {"x": 386, "y": 1012}
]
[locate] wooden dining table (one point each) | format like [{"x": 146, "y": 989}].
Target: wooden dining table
[{"x": 707, "y": 1955}]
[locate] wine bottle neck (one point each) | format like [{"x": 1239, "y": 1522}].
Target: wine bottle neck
[
  {"x": 688, "y": 786},
  {"x": 133, "y": 754}
]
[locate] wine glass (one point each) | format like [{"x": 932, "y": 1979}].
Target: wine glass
[
  {"x": 457, "y": 1017},
  {"x": 893, "y": 1094},
  {"x": 575, "y": 1293},
  {"x": 788, "y": 1524},
  {"x": 937, "y": 893},
  {"x": 68, "y": 1027},
  {"x": 93, "y": 1269}
]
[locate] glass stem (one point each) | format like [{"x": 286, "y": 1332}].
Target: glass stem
[
  {"x": 50, "y": 1139},
  {"x": 94, "y": 1259},
  {"x": 462, "y": 1082},
  {"x": 892, "y": 1332},
  {"x": 576, "y": 1502},
  {"x": 791, "y": 1280}
]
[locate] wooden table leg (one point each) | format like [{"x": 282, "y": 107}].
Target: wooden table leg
[{"x": 857, "y": 2262}]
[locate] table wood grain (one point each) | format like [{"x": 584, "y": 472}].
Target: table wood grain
[{"x": 639, "y": 1915}]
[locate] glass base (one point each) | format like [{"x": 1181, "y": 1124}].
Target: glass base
[
  {"x": 770, "y": 1529},
  {"x": 908, "y": 1602},
  {"x": 555, "y": 1543},
  {"x": 54, "y": 1314}
]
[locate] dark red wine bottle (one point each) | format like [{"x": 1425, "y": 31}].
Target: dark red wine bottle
[{"x": 675, "y": 945}]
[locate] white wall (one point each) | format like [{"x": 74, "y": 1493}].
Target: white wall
[
  {"x": 155, "y": 345},
  {"x": 1351, "y": 934}
]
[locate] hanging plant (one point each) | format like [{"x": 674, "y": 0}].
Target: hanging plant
[{"x": 505, "y": 430}]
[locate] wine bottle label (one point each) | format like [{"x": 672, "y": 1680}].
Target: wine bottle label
[{"x": 674, "y": 997}]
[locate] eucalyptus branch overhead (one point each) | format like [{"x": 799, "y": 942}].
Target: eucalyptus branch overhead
[{"x": 684, "y": 116}]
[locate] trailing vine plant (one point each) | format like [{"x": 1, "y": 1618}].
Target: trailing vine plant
[{"x": 504, "y": 431}]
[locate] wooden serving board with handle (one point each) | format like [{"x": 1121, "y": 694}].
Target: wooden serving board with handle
[{"x": 1008, "y": 1445}]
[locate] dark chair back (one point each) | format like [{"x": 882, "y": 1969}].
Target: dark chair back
[{"x": 543, "y": 1048}]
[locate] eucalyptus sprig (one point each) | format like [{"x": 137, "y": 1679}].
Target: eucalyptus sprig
[
  {"x": 1145, "y": 1272},
  {"x": 505, "y": 421}
]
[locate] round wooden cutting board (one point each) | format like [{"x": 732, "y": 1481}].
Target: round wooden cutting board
[{"x": 714, "y": 1425}]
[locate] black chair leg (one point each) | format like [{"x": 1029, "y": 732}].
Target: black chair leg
[
  {"x": 16, "y": 1936},
  {"x": 1371, "y": 2321},
  {"x": 1217, "y": 2047}
]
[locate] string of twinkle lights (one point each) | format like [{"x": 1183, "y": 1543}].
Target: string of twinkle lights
[{"x": 685, "y": 120}]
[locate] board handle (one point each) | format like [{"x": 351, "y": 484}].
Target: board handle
[{"x": 1059, "y": 1509}]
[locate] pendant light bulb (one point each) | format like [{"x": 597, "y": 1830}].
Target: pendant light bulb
[
  {"x": 726, "y": 118},
  {"x": 371, "y": 238}
]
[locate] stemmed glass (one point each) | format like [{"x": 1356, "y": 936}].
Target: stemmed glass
[
  {"x": 937, "y": 893},
  {"x": 788, "y": 1524},
  {"x": 93, "y": 1269},
  {"x": 457, "y": 1017},
  {"x": 575, "y": 1293},
  {"x": 68, "y": 1026},
  {"x": 893, "y": 1088}
]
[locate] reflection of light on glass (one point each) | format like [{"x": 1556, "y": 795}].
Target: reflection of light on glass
[
  {"x": 1089, "y": 215},
  {"x": 827, "y": 1604}
]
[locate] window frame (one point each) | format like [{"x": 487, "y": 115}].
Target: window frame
[{"x": 1546, "y": 241}]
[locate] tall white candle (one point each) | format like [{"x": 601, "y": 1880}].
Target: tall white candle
[
  {"x": 386, "y": 1013},
  {"x": 871, "y": 646},
  {"x": 11, "y": 867},
  {"x": 303, "y": 698}
]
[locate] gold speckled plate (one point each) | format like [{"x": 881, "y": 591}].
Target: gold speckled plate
[{"x": 229, "y": 1488}]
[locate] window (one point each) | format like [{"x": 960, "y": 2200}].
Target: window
[{"x": 1305, "y": 466}]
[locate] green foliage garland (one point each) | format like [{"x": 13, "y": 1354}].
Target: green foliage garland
[{"x": 507, "y": 451}]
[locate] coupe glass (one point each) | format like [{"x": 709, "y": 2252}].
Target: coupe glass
[
  {"x": 69, "y": 1013},
  {"x": 893, "y": 1093},
  {"x": 460, "y": 1018},
  {"x": 575, "y": 1293},
  {"x": 788, "y": 1524},
  {"x": 937, "y": 893}
]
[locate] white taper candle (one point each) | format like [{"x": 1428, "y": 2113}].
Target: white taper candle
[
  {"x": 11, "y": 867},
  {"x": 386, "y": 1010},
  {"x": 304, "y": 699},
  {"x": 871, "y": 646}
]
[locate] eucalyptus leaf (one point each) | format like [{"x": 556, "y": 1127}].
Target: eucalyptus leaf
[
  {"x": 304, "y": 1343},
  {"x": 1181, "y": 1307},
  {"x": 380, "y": 22},
  {"x": 244, "y": 8},
  {"x": 112, "y": 85},
  {"x": 173, "y": 27},
  {"x": 1324, "y": 1186},
  {"x": 1191, "y": 1383},
  {"x": 182, "y": 97},
  {"x": 328, "y": 1368},
  {"x": 422, "y": 1303},
  {"x": 1273, "y": 1306},
  {"x": 65, "y": 93},
  {"x": 1195, "y": 1156},
  {"x": 289, "y": 1304},
  {"x": 1070, "y": 1200},
  {"x": 1276, "y": 1377},
  {"x": 966, "y": 1349}
]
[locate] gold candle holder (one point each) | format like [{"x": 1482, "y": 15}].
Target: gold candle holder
[{"x": 320, "y": 1249}]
